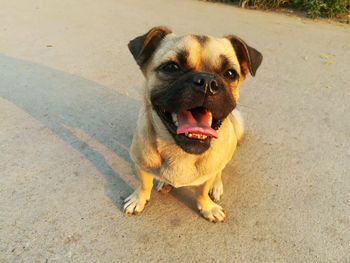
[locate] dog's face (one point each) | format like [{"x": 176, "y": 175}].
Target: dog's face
[{"x": 192, "y": 81}]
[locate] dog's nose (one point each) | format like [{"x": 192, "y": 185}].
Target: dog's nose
[
  {"x": 200, "y": 83},
  {"x": 213, "y": 87},
  {"x": 205, "y": 83}
]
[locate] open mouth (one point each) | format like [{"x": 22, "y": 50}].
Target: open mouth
[{"x": 196, "y": 124}]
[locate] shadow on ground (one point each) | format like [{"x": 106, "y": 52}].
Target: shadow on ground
[
  {"x": 95, "y": 120},
  {"x": 88, "y": 116}
]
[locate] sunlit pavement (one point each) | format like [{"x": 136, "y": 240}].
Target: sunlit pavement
[{"x": 69, "y": 96}]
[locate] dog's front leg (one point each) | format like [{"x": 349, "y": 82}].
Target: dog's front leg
[
  {"x": 136, "y": 202},
  {"x": 206, "y": 206}
]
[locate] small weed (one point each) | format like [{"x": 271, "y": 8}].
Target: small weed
[{"x": 327, "y": 59}]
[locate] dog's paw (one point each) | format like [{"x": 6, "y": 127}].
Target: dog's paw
[
  {"x": 216, "y": 191},
  {"x": 135, "y": 203},
  {"x": 163, "y": 188},
  {"x": 212, "y": 212}
]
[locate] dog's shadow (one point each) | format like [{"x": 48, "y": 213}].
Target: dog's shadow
[{"x": 96, "y": 121}]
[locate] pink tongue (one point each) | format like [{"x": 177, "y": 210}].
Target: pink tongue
[{"x": 195, "y": 124}]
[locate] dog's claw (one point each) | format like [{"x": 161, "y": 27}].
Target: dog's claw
[
  {"x": 135, "y": 203},
  {"x": 213, "y": 212}
]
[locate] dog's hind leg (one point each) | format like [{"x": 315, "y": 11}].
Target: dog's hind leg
[
  {"x": 163, "y": 187},
  {"x": 136, "y": 202},
  {"x": 217, "y": 189}
]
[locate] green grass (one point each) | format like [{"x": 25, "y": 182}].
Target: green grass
[{"x": 313, "y": 8}]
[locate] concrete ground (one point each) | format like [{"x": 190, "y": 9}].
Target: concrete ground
[{"x": 69, "y": 96}]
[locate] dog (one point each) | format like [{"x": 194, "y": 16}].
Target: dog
[{"x": 188, "y": 127}]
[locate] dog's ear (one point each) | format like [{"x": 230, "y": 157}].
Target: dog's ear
[
  {"x": 249, "y": 58},
  {"x": 143, "y": 47}
]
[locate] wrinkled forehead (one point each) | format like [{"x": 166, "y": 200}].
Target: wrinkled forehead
[{"x": 202, "y": 53}]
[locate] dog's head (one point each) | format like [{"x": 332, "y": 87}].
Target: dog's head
[{"x": 192, "y": 81}]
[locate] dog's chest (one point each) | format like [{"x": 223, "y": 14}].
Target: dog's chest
[{"x": 184, "y": 171}]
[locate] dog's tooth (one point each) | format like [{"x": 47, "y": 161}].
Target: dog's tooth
[
  {"x": 174, "y": 117},
  {"x": 190, "y": 135}
]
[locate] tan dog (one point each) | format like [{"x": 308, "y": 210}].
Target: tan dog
[{"x": 186, "y": 133}]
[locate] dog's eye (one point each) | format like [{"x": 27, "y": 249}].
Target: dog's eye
[
  {"x": 170, "y": 67},
  {"x": 230, "y": 74}
]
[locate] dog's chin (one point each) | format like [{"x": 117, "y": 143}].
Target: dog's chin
[
  {"x": 193, "y": 143},
  {"x": 192, "y": 146}
]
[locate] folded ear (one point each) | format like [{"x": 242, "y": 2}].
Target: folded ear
[
  {"x": 143, "y": 47},
  {"x": 249, "y": 58}
]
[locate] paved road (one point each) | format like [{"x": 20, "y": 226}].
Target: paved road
[{"x": 69, "y": 95}]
